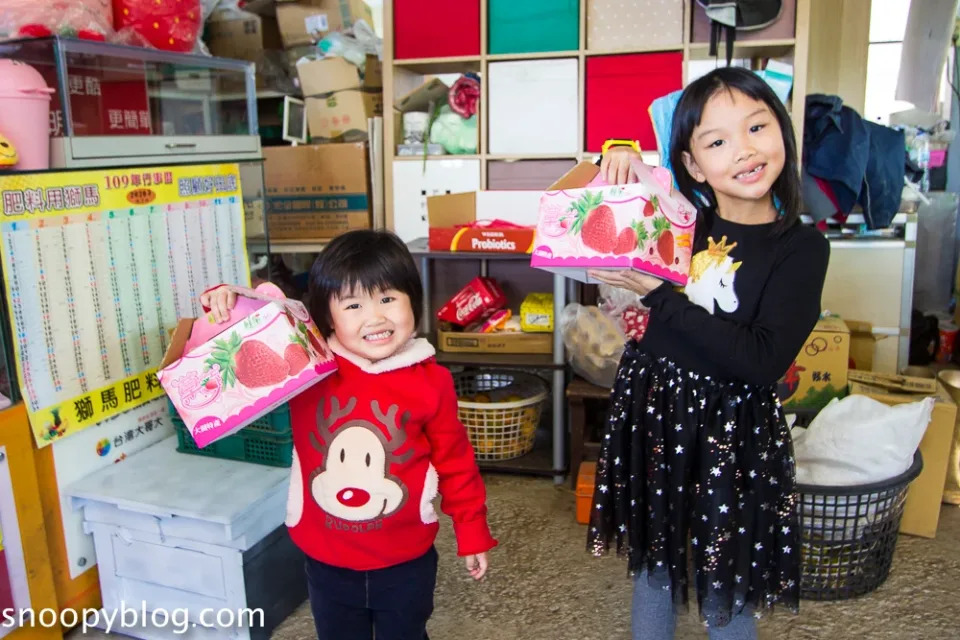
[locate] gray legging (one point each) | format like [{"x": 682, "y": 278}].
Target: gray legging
[{"x": 654, "y": 617}]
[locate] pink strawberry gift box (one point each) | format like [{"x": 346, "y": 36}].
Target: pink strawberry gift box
[
  {"x": 223, "y": 376},
  {"x": 584, "y": 223}
]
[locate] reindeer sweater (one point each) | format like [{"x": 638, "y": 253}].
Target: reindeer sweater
[
  {"x": 748, "y": 307},
  {"x": 373, "y": 445}
]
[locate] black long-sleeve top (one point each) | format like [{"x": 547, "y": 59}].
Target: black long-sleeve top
[{"x": 756, "y": 307}]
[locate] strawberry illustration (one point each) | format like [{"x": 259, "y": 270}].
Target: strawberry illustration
[
  {"x": 664, "y": 239},
  {"x": 651, "y": 207},
  {"x": 251, "y": 363},
  {"x": 626, "y": 241},
  {"x": 594, "y": 222},
  {"x": 631, "y": 238},
  {"x": 259, "y": 366},
  {"x": 296, "y": 355}
]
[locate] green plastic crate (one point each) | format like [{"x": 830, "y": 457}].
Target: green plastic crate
[
  {"x": 276, "y": 423},
  {"x": 244, "y": 446}
]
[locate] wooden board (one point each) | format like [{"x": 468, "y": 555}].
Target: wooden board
[{"x": 16, "y": 438}]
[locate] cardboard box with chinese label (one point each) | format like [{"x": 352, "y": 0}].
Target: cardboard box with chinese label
[
  {"x": 223, "y": 376},
  {"x": 342, "y": 116},
  {"x": 647, "y": 226},
  {"x": 339, "y": 99},
  {"x": 309, "y": 21},
  {"x": 514, "y": 342},
  {"x": 921, "y": 513},
  {"x": 483, "y": 221},
  {"x": 819, "y": 372},
  {"x": 316, "y": 192}
]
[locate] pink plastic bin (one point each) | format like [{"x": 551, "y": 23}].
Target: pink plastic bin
[{"x": 25, "y": 113}]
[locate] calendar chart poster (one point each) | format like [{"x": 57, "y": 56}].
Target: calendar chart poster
[{"x": 98, "y": 266}]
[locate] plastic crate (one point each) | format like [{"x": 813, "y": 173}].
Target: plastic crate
[
  {"x": 276, "y": 423},
  {"x": 243, "y": 446}
]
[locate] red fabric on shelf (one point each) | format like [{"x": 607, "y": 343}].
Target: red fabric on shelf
[{"x": 619, "y": 91}]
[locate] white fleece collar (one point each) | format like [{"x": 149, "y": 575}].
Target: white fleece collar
[{"x": 415, "y": 351}]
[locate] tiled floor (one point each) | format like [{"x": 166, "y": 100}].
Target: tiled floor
[{"x": 544, "y": 586}]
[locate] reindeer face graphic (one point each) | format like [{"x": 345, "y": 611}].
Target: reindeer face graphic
[{"x": 354, "y": 483}]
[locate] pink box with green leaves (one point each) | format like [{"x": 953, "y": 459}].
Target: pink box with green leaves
[
  {"x": 223, "y": 376},
  {"x": 584, "y": 223}
]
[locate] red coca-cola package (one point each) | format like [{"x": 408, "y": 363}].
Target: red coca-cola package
[{"x": 481, "y": 295}]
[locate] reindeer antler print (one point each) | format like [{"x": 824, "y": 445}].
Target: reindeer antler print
[
  {"x": 396, "y": 436},
  {"x": 325, "y": 422}
]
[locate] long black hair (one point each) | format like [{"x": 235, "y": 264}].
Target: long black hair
[
  {"x": 363, "y": 260},
  {"x": 686, "y": 117}
]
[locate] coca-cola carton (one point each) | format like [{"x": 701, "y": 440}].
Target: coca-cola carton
[{"x": 480, "y": 296}]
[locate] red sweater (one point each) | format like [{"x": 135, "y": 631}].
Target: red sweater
[{"x": 373, "y": 443}]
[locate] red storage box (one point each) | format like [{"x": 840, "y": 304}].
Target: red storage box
[
  {"x": 619, "y": 91},
  {"x": 432, "y": 29}
]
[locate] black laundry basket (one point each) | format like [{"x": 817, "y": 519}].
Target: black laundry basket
[{"x": 848, "y": 535}]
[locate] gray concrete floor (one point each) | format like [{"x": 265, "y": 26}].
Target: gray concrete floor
[{"x": 542, "y": 585}]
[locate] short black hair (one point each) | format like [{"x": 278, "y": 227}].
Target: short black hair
[
  {"x": 366, "y": 260},
  {"x": 687, "y": 116}
]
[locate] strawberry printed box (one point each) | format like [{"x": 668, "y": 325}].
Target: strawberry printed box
[
  {"x": 223, "y": 376},
  {"x": 583, "y": 223}
]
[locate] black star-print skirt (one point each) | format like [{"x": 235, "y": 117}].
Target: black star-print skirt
[{"x": 697, "y": 471}]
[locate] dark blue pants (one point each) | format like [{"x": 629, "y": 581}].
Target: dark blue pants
[{"x": 387, "y": 604}]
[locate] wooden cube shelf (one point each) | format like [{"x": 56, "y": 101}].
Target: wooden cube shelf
[{"x": 558, "y": 77}]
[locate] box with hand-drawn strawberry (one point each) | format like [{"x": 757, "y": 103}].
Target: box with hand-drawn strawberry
[
  {"x": 584, "y": 223},
  {"x": 223, "y": 376}
]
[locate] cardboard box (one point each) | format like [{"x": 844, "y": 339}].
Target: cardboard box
[
  {"x": 320, "y": 77},
  {"x": 342, "y": 116},
  {"x": 241, "y": 35},
  {"x": 921, "y": 513},
  {"x": 500, "y": 342},
  {"x": 819, "y": 372},
  {"x": 316, "y": 192},
  {"x": 310, "y": 20},
  {"x": 222, "y": 377},
  {"x": 458, "y": 221},
  {"x": 648, "y": 226}
]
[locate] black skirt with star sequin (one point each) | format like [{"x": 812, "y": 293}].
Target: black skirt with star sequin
[{"x": 690, "y": 466}]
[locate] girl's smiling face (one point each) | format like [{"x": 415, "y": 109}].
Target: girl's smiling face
[
  {"x": 737, "y": 149},
  {"x": 372, "y": 324}
]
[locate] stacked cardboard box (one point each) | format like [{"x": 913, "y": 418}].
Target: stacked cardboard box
[
  {"x": 339, "y": 99},
  {"x": 316, "y": 192}
]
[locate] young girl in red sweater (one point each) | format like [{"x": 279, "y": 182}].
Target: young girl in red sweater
[{"x": 374, "y": 443}]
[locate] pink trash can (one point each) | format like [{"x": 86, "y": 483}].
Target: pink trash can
[{"x": 25, "y": 113}]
